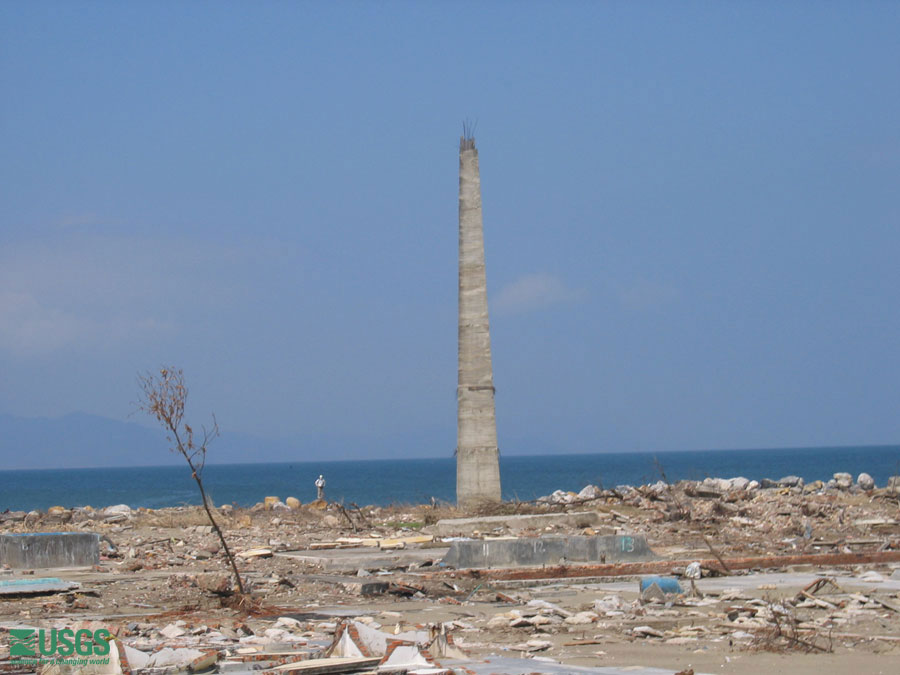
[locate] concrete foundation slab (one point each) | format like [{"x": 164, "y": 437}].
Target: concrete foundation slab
[
  {"x": 50, "y": 549},
  {"x": 353, "y": 559},
  {"x": 468, "y": 526},
  {"x": 527, "y": 552}
]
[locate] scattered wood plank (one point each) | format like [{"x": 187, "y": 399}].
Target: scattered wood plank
[
  {"x": 402, "y": 542},
  {"x": 575, "y": 643},
  {"x": 255, "y": 553},
  {"x": 887, "y": 605},
  {"x": 371, "y": 542},
  {"x": 818, "y": 602}
]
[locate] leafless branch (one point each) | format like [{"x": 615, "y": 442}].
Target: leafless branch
[{"x": 163, "y": 397}]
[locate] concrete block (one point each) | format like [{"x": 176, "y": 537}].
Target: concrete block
[
  {"x": 355, "y": 585},
  {"x": 505, "y": 553},
  {"x": 50, "y": 549}
]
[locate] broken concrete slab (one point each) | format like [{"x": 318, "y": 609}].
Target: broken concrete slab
[
  {"x": 354, "y": 639},
  {"x": 527, "y": 552},
  {"x": 357, "y": 585},
  {"x": 50, "y": 549},
  {"x": 407, "y": 658},
  {"x": 367, "y": 558},
  {"x": 468, "y": 526},
  {"x": 36, "y": 586},
  {"x": 174, "y": 657}
]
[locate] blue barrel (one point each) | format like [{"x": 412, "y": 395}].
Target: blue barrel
[{"x": 666, "y": 584}]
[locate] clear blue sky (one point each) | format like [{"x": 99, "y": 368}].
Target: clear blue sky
[{"x": 692, "y": 217}]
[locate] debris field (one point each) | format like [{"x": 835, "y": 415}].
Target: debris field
[{"x": 741, "y": 572}]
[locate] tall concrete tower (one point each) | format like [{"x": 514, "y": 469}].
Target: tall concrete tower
[{"x": 477, "y": 455}]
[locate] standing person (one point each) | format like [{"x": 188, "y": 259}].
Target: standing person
[{"x": 320, "y": 487}]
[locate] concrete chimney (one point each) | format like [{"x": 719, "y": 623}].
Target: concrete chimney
[{"x": 477, "y": 455}]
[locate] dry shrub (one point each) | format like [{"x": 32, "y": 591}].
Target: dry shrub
[
  {"x": 431, "y": 514},
  {"x": 783, "y": 634}
]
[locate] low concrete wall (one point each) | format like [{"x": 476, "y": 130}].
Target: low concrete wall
[
  {"x": 528, "y": 552},
  {"x": 467, "y": 526},
  {"x": 50, "y": 549}
]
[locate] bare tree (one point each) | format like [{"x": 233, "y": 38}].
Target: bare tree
[{"x": 163, "y": 397}]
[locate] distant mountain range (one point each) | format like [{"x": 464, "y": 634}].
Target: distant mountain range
[{"x": 82, "y": 440}]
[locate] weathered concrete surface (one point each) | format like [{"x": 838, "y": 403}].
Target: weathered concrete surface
[
  {"x": 629, "y": 568},
  {"x": 477, "y": 455},
  {"x": 505, "y": 665},
  {"x": 371, "y": 585},
  {"x": 533, "y": 551},
  {"x": 467, "y": 526},
  {"x": 36, "y": 586},
  {"x": 353, "y": 559},
  {"x": 50, "y": 549}
]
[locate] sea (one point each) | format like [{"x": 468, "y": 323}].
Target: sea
[{"x": 415, "y": 481}]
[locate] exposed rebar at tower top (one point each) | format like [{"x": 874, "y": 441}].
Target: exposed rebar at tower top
[{"x": 477, "y": 455}]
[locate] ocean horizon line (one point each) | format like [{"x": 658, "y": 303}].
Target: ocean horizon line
[
  {"x": 419, "y": 480},
  {"x": 178, "y": 462}
]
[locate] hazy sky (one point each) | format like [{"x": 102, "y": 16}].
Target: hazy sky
[{"x": 691, "y": 217}]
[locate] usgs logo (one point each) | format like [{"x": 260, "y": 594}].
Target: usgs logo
[{"x": 29, "y": 642}]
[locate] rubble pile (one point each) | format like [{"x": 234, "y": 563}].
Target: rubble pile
[
  {"x": 748, "y": 517},
  {"x": 367, "y": 589}
]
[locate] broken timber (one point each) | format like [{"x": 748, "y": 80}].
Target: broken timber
[{"x": 666, "y": 566}]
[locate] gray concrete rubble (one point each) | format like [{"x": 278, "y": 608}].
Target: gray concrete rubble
[{"x": 550, "y": 550}]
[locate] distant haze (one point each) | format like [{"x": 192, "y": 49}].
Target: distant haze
[{"x": 691, "y": 212}]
